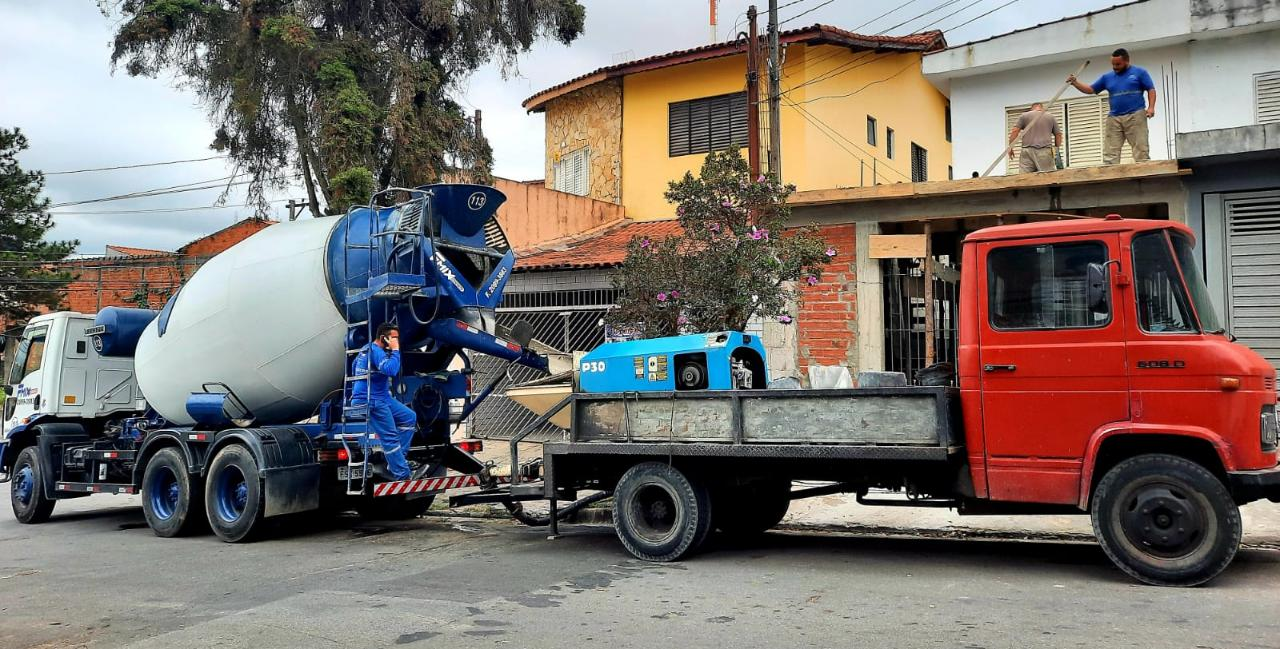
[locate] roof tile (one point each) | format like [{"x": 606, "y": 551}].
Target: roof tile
[{"x": 603, "y": 248}]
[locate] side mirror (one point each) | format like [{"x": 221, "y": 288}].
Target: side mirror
[
  {"x": 6, "y": 388},
  {"x": 1097, "y": 290}
]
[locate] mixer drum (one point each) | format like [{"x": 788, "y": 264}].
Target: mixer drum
[{"x": 259, "y": 318}]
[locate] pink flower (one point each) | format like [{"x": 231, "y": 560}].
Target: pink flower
[
  {"x": 645, "y": 243},
  {"x": 675, "y": 294},
  {"x": 760, "y": 179},
  {"x": 680, "y": 210},
  {"x": 784, "y": 319},
  {"x": 813, "y": 281},
  {"x": 682, "y": 320},
  {"x": 726, "y": 204},
  {"x": 662, "y": 297},
  {"x": 715, "y": 227},
  {"x": 831, "y": 252},
  {"x": 759, "y": 234}
]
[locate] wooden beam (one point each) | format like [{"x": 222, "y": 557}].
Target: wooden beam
[
  {"x": 897, "y": 246},
  {"x": 929, "y": 324},
  {"x": 1061, "y": 178}
]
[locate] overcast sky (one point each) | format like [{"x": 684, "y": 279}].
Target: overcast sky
[{"x": 56, "y": 84}]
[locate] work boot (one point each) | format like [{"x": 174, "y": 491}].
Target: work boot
[
  {"x": 421, "y": 471},
  {"x": 381, "y": 472}
]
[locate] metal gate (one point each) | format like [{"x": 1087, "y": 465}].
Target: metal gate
[
  {"x": 1253, "y": 251},
  {"x": 566, "y": 320},
  {"x": 904, "y": 314}
]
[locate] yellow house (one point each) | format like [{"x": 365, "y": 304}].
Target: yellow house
[{"x": 855, "y": 111}]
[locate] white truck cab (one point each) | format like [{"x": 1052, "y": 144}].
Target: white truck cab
[{"x": 57, "y": 374}]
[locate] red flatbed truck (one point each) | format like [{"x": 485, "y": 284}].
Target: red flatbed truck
[{"x": 1094, "y": 378}]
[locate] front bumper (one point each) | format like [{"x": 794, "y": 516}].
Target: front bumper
[{"x": 1248, "y": 486}]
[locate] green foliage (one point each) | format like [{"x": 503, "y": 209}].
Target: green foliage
[
  {"x": 353, "y": 186},
  {"x": 733, "y": 261},
  {"x": 335, "y": 86},
  {"x": 26, "y": 283}
]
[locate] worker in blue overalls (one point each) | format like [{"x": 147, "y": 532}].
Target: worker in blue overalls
[{"x": 394, "y": 422}]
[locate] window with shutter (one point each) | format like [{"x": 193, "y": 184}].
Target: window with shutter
[
  {"x": 919, "y": 163},
  {"x": 871, "y": 130},
  {"x": 573, "y": 172},
  {"x": 706, "y": 124},
  {"x": 1011, "y": 115},
  {"x": 888, "y": 143},
  {"x": 1266, "y": 94},
  {"x": 1253, "y": 249}
]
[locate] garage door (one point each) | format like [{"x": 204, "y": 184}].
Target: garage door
[{"x": 1253, "y": 291}]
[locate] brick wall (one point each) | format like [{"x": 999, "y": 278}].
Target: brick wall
[
  {"x": 826, "y": 323},
  {"x": 223, "y": 239}
]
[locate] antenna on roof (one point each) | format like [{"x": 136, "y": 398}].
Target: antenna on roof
[{"x": 713, "y": 21}]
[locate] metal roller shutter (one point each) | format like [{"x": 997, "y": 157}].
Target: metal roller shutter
[{"x": 1253, "y": 292}]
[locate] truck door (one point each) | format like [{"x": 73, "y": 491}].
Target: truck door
[
  {"x": 25, "y": 377},
  {"x": 1053, "y": 367}
]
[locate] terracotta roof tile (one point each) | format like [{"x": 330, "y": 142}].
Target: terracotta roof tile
[
  {"x": 605, "y": 247},
  {"x": 138, "y": 252},
  {"x": 817, "y": 34}
]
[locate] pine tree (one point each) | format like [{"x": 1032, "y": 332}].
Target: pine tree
[{"x": 27, "y": 283}]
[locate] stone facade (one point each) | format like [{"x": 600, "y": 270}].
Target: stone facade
[{"x": 591, "y": 117}]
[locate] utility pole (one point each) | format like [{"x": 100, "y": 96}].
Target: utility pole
[
  {"x": 714, "y": 36},
  {"x": 295, "y": 207},
  {"x": 753, "y": 94},
  {"x": 775, "y": 96}
]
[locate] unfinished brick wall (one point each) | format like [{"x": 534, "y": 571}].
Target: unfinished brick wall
[
  {"x": 826, "y": 323},
  {"x": 223, "y": 239}
]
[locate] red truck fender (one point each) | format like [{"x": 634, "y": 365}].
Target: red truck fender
[{"x": 1127, "y": 428}]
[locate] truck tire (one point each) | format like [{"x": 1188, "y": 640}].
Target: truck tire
[
  {"x": 172, "y": 501},
  {"x": 393, "y": 508},
  {"x": 233, "y": 495},
  {"x": 753, "y": 509},
  {"x": 1165, "y": 520},
  {"x": 659, "y": 513},
  {"x": 30, "y": 503}
]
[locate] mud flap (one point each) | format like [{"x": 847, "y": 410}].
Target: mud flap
[{"x": 290, "y": 490}]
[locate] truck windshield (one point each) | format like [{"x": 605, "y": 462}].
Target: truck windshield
[
  {"x": 29, "y": 355},
  {"x": 1163, "y": 306},
  {"x": 1183, "y": 249}
]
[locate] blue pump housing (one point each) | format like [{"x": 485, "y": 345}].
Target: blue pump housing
[
  {"x": 689, "y": 362},
  {"x": 116, "y": 330}
]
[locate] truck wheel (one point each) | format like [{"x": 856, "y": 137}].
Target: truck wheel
[
  {"x": 660, "y": 514},
  {"x": 751, "y": 509},
  {"x": 30, "y": 504},
  {"x": 233, "y": 495},
  {"x": 168, "y": 493},
  {"x": 393, "y": 508},
  {"x": 1166, "y": 520}
]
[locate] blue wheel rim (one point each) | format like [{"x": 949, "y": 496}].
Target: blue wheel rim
[
  {"x": 163, "y": 493},
  {"x": 231, "y": 494},
  {"x": 24, "y": 485}
]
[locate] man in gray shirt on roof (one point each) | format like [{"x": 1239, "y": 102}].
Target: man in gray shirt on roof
[{"x": 1040, "y": 134}]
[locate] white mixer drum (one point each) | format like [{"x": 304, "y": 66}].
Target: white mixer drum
[{"x": 259, "y": 318}]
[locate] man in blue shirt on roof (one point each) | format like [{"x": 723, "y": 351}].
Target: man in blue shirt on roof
[
  {"x": 1125, "y": 85},
  {"x": 393, "y": 421}
]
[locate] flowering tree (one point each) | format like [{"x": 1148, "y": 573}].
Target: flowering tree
[{"x": 732, "y": 261}]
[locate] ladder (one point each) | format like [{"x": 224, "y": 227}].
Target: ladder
[{"x": 402, "y": 273}]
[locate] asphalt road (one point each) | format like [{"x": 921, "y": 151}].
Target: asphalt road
[{"x": 95, "y": 576}]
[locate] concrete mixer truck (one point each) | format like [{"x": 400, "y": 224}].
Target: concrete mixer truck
[{"x": 230, "y": 405}]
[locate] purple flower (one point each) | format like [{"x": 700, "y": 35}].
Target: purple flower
[
  {"x": 645, "y": 243},
  {"x": 675, "y": 294},
  {"x": 784, "y": 319},
  {"x": 759, "y": 234},
  {"x": 662, "y": 297},
  {"x": 831, "y": 252},
  {"x": 715, "y": 227},
  {"x": 682, "y": 320},
  {"x": 760, "y": 179},
  {"x": 813, "y": 281},
  {"x": 680, "y": 211},
  {"x": 726, "y": 204}
]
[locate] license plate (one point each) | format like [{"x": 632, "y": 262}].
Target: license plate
[{"x": 344, "y": 472}]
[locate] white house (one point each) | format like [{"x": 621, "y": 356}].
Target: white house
[
  {"x": 1208, "y": 59},
  {"x": 1216, "y": 67}
]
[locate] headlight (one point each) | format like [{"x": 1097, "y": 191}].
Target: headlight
[{"x": 1269, "y": 427}]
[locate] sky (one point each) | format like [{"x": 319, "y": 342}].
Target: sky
[{"x": 57, "y": 85}]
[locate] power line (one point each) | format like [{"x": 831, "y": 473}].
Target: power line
[
  {"x": 983, "y": 15},
  {"x": 159, "y": 191},
  {"x": 864, "y": 87},
  {"x": 816, "y": 121},
  {"x": 807, "y": 11},
  {"x": 163, "y": 210},
  {"x": 137, "y": 166},
  {"x": 894, "y": 10}
]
